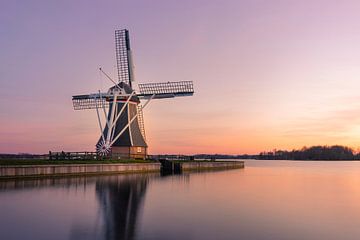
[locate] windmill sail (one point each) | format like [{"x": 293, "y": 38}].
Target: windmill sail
[
  {"x": 123, "y": 56},
  {"x": 90, "y": 101},
  {"x": 166, "y": 89}
]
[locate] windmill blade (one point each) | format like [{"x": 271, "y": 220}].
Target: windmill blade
[
  {"x": 123, "y": 56},
  {"x": 166, "y": 89},
  {"x": 90, "y": 101}
]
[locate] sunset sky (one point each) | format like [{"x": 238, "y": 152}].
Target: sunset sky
[{"x": 267, "y": 73}]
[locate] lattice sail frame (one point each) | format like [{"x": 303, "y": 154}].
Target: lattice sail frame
[
  {"x": 123, "y": 56},
  {"x": 90, "y": 101},
  {"x": 166, "y": 89}
]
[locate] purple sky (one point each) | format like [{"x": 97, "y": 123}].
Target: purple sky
[{"x": 267, "y": 74}]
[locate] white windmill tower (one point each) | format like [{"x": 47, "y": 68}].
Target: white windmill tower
[{"x": 122, "y": 132}]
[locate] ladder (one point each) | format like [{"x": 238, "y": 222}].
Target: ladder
[{"x": 140, "y": 118}]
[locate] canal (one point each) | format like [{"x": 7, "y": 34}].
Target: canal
[{"x": 265, "y": 200}]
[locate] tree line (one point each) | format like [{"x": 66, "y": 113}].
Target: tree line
[{"x": 313, "y": 153}]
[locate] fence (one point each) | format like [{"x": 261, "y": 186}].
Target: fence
[{"x": 90, "y": 156}]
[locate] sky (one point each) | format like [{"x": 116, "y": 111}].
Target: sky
[{"x": 268, "y": 74}]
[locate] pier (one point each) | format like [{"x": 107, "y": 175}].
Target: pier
[
  {"x": 180, "y": 166},
  {"x": 75, "y": 169},
  {"x": 19, "y": 171}
]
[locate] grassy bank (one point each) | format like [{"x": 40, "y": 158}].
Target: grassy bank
[{"x": 12, "y": 162}]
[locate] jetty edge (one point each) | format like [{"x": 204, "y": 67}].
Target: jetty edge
[
  {"x": 75, "y": 169},
  {"x": 19, "y": 171},
  {"x": 196, "y": 165}
]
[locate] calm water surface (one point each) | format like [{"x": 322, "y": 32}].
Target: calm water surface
[{"x": 266, "y": 200}]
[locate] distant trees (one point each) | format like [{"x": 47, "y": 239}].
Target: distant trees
[{"x": 313, "y": 153}]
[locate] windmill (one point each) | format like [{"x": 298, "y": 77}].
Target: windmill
[{"x": 122, "y": 131}]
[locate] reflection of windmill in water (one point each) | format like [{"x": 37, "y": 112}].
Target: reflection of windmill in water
[
  {"x": 121, "y": 199},
  {"x": 123, "y": 132}
]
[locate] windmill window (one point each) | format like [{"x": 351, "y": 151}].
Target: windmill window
[{"x": 139, "y": 149}]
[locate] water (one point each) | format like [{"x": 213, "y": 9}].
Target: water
[{"x": 266, "y": 200}]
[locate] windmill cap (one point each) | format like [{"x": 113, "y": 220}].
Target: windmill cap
[{"x": 124, "y": 86}]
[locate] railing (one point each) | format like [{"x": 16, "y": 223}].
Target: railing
[
  {"x": 73, "y": 156},
  {"x": 172, "y": 157},
  {"x": 91, "y": 156}
]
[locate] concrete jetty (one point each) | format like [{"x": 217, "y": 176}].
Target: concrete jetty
[
  {"x": 211, "y": 165},
  {"x": 179, "y": 166},
  {"x": 75, "y": 169},
  {"x": 19, "y": 171}
]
